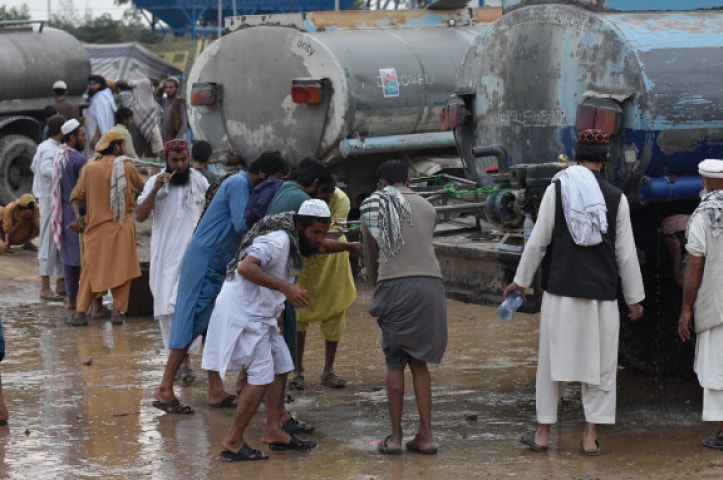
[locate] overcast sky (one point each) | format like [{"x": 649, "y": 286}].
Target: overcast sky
[{"x": 39, "y": 8}]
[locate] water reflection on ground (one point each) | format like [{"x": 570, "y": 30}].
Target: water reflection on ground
[{"x": 79, "y": 400}]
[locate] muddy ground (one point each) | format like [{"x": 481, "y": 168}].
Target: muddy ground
[{"x": 79, "y": 402}]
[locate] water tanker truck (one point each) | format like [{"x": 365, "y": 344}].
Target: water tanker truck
[
  {"x": 352, "y": 88},
  {"x": 651, "y": 79},
  {"x": 32, "y": 58}
]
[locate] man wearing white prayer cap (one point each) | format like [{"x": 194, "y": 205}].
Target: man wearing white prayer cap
[
  {"x": 243, "y": 332},
  {"x": 584, "y": 239},
  {"x": 702, "y": 294}
]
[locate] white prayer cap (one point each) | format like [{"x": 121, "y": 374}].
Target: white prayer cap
[
  {"x": 711, "y": 168},
  {"x": 69, "y": 126},
  {"x": 60, "y": 85},
  {"x": 315, "y": 208}
]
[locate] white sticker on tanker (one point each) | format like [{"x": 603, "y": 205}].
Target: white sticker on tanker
[{"x": 389, "y": 82}]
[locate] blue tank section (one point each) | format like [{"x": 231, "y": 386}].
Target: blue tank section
[
  {"x": 200, "y": 17},
  {"x": 528, "y": 72}
]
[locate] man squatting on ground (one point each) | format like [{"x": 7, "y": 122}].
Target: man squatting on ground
[
  {"x": 244, "y": 331},
  {"x": 175, "y": 197},
  {"x": 19, "y": 224},
  {"x": 702, "y": 293},
  {"x": 409, "y": 301},
  {"x": 584, "y": 239},
  {"x": 203, "y": 270}
]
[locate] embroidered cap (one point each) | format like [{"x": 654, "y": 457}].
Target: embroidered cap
[
  {"x": 674, "y": 224},
  {"x": 69, "y": 126},
  {"x": 176, "y": 145},
  {"x": 711, "y": 168},
  {"x": 315, "y": 208},
  {"x": 592, "y": 146}
]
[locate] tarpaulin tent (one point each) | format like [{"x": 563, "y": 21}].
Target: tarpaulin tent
[{"x": 127, "y": 61}]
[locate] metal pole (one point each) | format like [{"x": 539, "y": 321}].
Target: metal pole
[{"x": 220, "y": 18}]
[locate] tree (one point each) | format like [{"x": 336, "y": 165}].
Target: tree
[{"x": 13, "y": 13}]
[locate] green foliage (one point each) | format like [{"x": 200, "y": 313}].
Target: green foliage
[
  {"x": 14, "y": 13},
  {"x": 103, "y": 29}
]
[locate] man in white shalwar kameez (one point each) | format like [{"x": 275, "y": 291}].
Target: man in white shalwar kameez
[
  {"x": 702, "y": 292},
  {"x": 49, "y": 258},
  {"x": 174, "y": 196},
  {"x": 243, "y": 332},
  {"x": 584, "y": 238}
]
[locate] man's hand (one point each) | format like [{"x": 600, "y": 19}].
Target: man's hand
[
  {"x": 161, "y": 180},
  {"x": 75, "y": 226},
  {"x": 298, "y": 296},
  {"x": 635, "y": 311},
  {"x": 511, "y": 288},
  {"x": 355, "y": 249},
  {"x": 684, "y": 323}
]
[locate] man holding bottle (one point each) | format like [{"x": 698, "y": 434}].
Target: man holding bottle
[{"x": 584, "y": 239}]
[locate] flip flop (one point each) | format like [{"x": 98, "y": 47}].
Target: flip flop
[
  {"x": 297, "y": 382},
  {"x": 292, "y": 426},
  {"x": 295, "y": 443},
  {"x": 245, "y": 453},
  {"x": 528, "y": 438},
  {"x": 591, "y": 453},
  {"x": 714, "y": 442},
  {"x": 387, "y": 450},
  {"x": 188, "y": 376},
  {"x": 413, "y": 446},
  {"x": 173, "y": 406},
  {"x": 52, "y": 298},
  {"x": 225, "y": 403},
  {"x": 332, "y": 380}
]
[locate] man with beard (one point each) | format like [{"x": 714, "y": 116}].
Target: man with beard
[
  {"x": 174, "y": 117},
  {"x": 174, "y": 197},
  {"x": 66, "y": 171},
  {"x": 110, "y": 259},
  {"x": 48, "y": 251},
  {"x": 100, "y": 114},
  {"x": 203, "y": 270},
  {"x": 244, "y": 334}
]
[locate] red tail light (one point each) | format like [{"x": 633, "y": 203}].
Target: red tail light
[
  {"x": 607, "y": 117},
  {"x": 306, "y": 91},
  {"x": 205, "y": 93}
]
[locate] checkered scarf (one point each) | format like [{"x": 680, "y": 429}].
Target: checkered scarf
[
  {"x": 271, "y": 223},
  {"x": 56, "y": 202},
  {"x": 712, "y": 206},
  {"x": 118, "y": 185},
  {"x": 384, "y": 211}
]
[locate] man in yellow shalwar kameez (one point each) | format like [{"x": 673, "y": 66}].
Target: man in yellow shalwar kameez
[
  {"x": 110, "y": 259},
  {"x": 330, "y": 284}
]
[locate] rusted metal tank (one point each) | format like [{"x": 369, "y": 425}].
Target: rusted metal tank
[
  {"x": 351, "y": 88},
  {"x": 32, "y": 58},
  {"x": 650, "y": 78}
]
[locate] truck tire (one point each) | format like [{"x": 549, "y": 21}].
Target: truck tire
[{"x": 16, "y": 155}]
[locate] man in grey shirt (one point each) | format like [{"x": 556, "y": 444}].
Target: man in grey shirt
[{"x": 409, "y": 301}]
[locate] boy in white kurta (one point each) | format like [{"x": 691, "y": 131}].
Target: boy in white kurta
[{"x": 243, "y": 332}]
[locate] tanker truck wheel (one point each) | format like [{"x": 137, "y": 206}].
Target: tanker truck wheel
[{"x": 16, "y": 155}]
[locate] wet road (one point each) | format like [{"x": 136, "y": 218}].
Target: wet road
[{"x": 79, "y": 402}]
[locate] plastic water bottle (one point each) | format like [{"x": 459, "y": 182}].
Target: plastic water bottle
[
  {"x": 527, "y": 227},
  {"x": 510, "y": 305}
]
